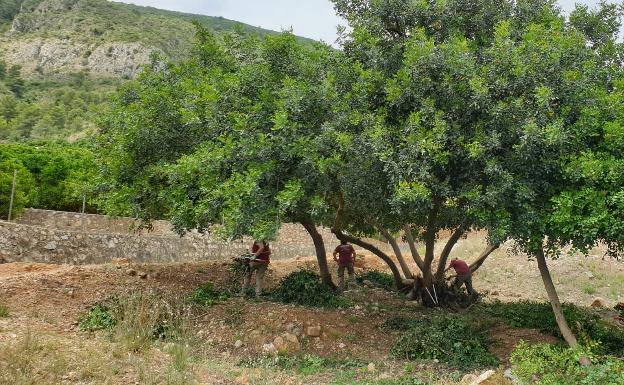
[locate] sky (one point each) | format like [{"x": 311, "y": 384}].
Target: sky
[{"x": 315, "y": 19}]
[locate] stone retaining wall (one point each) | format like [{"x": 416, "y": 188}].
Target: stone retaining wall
[{"x": 61, "y": 237}]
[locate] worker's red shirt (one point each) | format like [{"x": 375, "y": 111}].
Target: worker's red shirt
[
  {"x": 461, "y": 267},
  {"x": 264, "y": 256},
  {"x": 345, "y": 253}
]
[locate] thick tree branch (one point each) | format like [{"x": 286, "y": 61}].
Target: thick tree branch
[
  {"x": 482, "y": 257},
  {"x": 430, "y": 236},
  {"x": 459, "y": 231},
  {"x": 409, "y": 237},
  {"x": 397, "y": 252},
  {"x": 566, "y": 332},
  {"x": 321, "y": 254}
]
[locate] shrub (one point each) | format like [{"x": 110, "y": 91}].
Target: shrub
[
  {"x": 557, "y": 365},
  {"x": 305, "y": 288},
  {"x": 207, "y": 295},
  {"x": 379, "y": 278},
  {"x": 98, "y": 317},
  {"x": 400, "y": 323},
  {"x": 147, "y": 316},
  {"x": 450, "y": 338},
  {"x": 583, "y": 321}
]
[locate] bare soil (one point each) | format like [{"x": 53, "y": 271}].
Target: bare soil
[{"x": 44, "y": 303}]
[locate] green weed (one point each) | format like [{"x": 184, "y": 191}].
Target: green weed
[
  {"x": 305, "y": 288},
  {"x": 98, "y": 317},
  {"x": 451, "y": 338},
  {"x": 4, "y": 311},
  {"x": 378, "y": 278},
  {"x": 207, "y": 295},
  {"x": 584, "y": 322},
  {"x": 557, "y": 365}
]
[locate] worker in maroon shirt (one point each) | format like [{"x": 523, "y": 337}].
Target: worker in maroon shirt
[
  {"x": 344, "y": 255},
  {"x": 261, "y": 253},
  {"x": 463, "y": 275}
]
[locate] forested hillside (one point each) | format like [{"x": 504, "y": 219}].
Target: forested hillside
[{"x": 60, "y": 59}]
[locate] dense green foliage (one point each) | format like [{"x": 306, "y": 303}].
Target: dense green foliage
[
  {"x": 61, "y": 104},
  {"x": 42, "y": 110},
  {"x": 378, "y": 278},
  {"x": 98, "y": 317},
  {"x": 50, "y": 175},
  {"x": 556, "y": 365},
  {"x": 305, "y": 288},
  {"x": 451, "y": 338},
  {"x": 583, "y": 321},
  {"x": 207, "y": 295}
]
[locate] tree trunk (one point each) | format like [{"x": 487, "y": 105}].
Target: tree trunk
[
  {"x": 486, "y": 253},
  {"x": 321, "y": 254},
  {"x": 398, "y": 281},
  {"x": 410, "y": 241},
  {"x": 430, "y": 236},
  {"x": 397, "y": 252},
  {"x": 447, "y": 251},
  {"x": 567, "y": 334}
]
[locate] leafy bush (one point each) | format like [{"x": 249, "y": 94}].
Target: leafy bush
[
  {"x": 378, "y": 278},
  {"x": 98, "y": 317},
  {"x": 583, "y": 321},
  {"x": 450, "y": 338},
  {"x": 305, "y": 288},
  {"x": 557, "y": 365},
  {"x": 207, "y": 295}
]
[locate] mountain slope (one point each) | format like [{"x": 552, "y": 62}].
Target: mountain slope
[
  {"x": 101, "y": 37},
  {"x": 61, "y": 59}
]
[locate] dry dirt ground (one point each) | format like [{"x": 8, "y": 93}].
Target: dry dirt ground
[{"x": 224, "y": 343}]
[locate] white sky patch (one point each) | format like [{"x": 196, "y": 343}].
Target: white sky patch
[{"x": 314, "y": 19}]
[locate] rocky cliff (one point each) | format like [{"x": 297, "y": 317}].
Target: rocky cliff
[{"x": 98, "y": 37}]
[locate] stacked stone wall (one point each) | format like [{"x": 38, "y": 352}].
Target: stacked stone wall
[{"x": 63, "y": 237}]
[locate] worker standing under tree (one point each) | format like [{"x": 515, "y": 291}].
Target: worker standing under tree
[
  {"x": 344, "y": 255},
  {"x": 261, "y": 253},
  {"x": 463, "y": 275}
]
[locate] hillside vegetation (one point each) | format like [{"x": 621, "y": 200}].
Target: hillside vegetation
[{"x": 61, "y": 59}]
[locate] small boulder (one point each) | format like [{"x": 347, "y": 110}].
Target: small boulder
[
  {"x": 589, "y": 275},
  {"x": 468, "y": 379},
  {"x": 313, "y": 331},
  {"x": 143, "y": 275},
  {"x": 279, "y": 343},
  {"x": 371, "y": 367},
  {"x": 483, "y": 377},
  {"x": 494, "y": 293},
  {"x": 269, "y": 348},
  {"x": 131, "y": 272},
  {"x": 291, "y": 338},
  {"x": 50, "y": 246},
  {"x": 598, "y": 302},
  {"x": 238, "y": 344}
]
